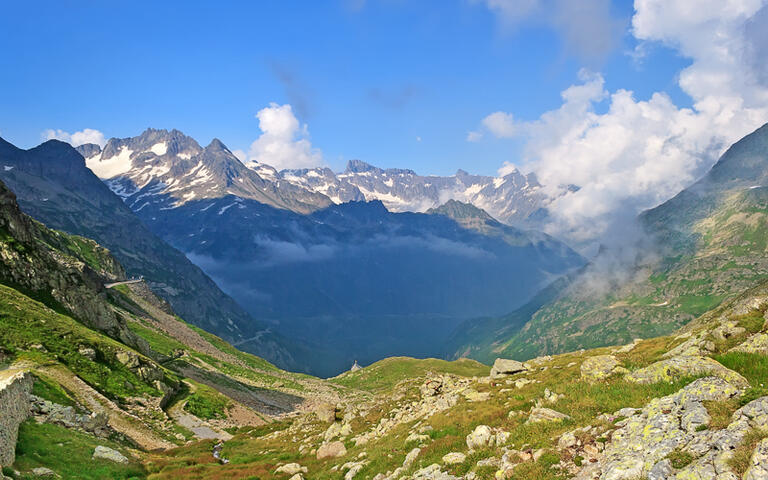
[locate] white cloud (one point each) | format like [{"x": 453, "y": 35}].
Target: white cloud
[
  {"x": 640, "y": 152},
  {"x": 500, "y": 124},
  {"x": 87, "y": 135},
  {"x": 283, "y": 142},
  {"x": 474, "y": 136}
]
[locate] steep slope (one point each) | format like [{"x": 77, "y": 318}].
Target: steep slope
[
  {"x": 54, "y": 186},
  {"x": 356, "y": 281},
  {"x": 514, "y": 198},
  {"x": 709, "y": 244}
]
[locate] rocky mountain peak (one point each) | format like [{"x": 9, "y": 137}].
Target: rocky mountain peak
[{"x": 359, "y": 166}]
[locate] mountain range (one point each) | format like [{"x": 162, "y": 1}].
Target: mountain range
[
  {"x": 321, "y": 284},
  {"x": 349, "y": 280}
]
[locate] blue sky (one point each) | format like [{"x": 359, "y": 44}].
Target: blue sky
[{"x": 369, "y": 79}]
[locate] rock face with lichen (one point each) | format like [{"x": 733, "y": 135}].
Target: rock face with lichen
[
  {"x": 640, "y": 446},
  {"x": 673, "y": 368}
]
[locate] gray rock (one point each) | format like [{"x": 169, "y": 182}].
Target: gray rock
[
  {"x": 481, "y": 437},
  {"x": 106, "y": 453},
  {"x": 504, "y": 366},
  {"x": 454, "y": 458},
  {"x": 758, "y": 469},
  {"x": 44, "y": 472},
  {"x": 600, "y": 367},
  {"x": 539, "y": 414},
  {"x": 291, "y": 469},
  {"x": 663, "y": 470},
  {"x": 331, "y": 450}
]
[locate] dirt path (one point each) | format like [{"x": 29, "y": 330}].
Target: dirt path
[{"x": 121, "y": 421}]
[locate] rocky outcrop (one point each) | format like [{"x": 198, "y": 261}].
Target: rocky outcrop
[
  {"x": 15, "y": 386},
  {"x": 679, "y": 422},
  {"x": 676, "y": 367},
  {"x": 757, "y": 343},
  {"x": 42, "y": 261}
]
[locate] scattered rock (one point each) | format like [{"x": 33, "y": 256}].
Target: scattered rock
[
  {"x": 331, "y": 450},
  {"x": 454, "y": 458},
  {"x": 431, "y": 387},
  {"x": 539, "y": 414},
  {"x": 502, "y": 367},
  {"x": 416, "y": 437},
  {"x": 106, "y": 453},
  {"x": 474, "y": 396},
  {"x": 432, "y": 472},
  {"x": 298, "y": 476}
]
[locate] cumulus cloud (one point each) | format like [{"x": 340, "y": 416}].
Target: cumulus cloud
[
  {"x": 640, "y": 152},
  {"x": 587, "y": 27},
  {"x": 284, "y": 142},
  {"x": 87, "y": 135}
]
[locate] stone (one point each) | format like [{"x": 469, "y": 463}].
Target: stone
[
  {"x": 337, "y": 430},
  {"x": 87, "y": 352},
  {"x": 331, "y": 450},
  {"x": 758, "y": 469},
  {"x": 502, "y": 367},
  {"x": 475, "y": 396},
  {"x": 130, "y": 360},
  {"x": 539, "y": 414},
  {"x": 481, "y": 437},
  {"x": 298, "y": 476},
  {"x": 671, "y": 369},
  {"x": 454, "y": 458},
  {"x": 106, "y": 453},
  {"x": 291, "y": 469},
  {"x": 431, "y": 387},
  {"x": 44, "y": 472},
  {"x": 432, "y": 472},
  {"x": 416, "y": 437},
  {"x": 663, "y": 470},
  {"x": 599, "y": 367},
  {"x": 567, "y": 440},
  {"x": 757, "y": 343},
  {"x": 727, "y": 330},
  {"x": 411, "y": 457}
]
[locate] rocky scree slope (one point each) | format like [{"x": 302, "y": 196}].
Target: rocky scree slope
[
  {"x": 54, "y": 186},
  {"x": 703, "y": 246}
]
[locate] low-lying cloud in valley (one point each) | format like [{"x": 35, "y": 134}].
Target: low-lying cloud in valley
[{"x": 640, "y": 152}]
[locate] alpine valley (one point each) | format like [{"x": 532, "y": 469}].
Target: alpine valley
[{"x": 170, "y": 312}]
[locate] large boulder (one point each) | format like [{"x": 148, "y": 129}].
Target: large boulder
[
  {"x": 503, "y": 366},
  {"x": 672, "y": 369},
  {"x": 326, "y": 412},
  {"x": 539, "y": 414},
  {"x": 600, "y": 367},
  {"x": 481, "y": 437},
  {"x": 106, "y": 453},
  {"x": 331, "y": 450}
]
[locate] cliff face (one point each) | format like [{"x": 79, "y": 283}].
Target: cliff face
[
  {"x": 65, "y": 272},
  {"x": 15, "y": 386}
]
